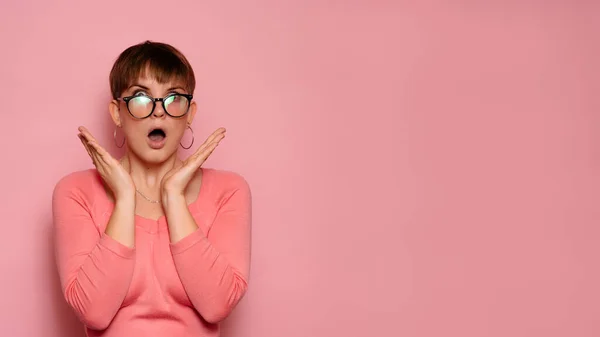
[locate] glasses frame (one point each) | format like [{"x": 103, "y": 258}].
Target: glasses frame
[{"x": 154, "y": 100}]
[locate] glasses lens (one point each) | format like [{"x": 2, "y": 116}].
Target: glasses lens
[
  {"x": 140, "y": 106},
  {"x": 176, "y": 105}
]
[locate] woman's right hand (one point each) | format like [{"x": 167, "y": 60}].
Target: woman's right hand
[{"x": 110, "y": 169}]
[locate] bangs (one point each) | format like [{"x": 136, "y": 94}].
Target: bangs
[{"x": 153, "y": 60}]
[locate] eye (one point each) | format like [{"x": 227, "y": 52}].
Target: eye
[{"x": 171, "y": 98}]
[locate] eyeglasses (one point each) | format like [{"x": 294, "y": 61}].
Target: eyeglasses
[{"x": 141, "y": 106}]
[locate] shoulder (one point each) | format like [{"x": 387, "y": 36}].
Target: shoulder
[
  {"x": 82, "y": 186},
  {"x": 224, "y": 179},
  {"x": 223, "y": 184}
]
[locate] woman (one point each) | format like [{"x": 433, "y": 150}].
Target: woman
[{"x": 150, "y": 245}]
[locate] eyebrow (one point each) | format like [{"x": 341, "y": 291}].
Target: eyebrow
[
  {"x": 148, "y": 89},
  {"x": 138, "y": 85}
]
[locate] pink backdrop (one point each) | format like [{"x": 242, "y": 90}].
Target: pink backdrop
[{"x": 418, "y": 170}]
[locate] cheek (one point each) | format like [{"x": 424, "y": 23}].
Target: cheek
[
  {"x": 133, "y": 133},
  {"x": 178, "y": 130}
]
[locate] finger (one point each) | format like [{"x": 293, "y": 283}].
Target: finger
[
  {"x": 101, "y": 153},
  {"x": 194, "y": 162},
  {"x": 97, "y": 162},
  {"x": 83, "y": 141},
  {"x": 201, "y": 157},
  {"x": 201, "y": 152},
  {"x": 219, "y": 133},
  {"x": 86, "y": 133},
  {"x": 93, "y": 156},
  {"x": 92, "y": 153},
  {"x": 214, "y": 138}
]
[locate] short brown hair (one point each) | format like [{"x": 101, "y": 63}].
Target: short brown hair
[{"x": 160, "y": 60}]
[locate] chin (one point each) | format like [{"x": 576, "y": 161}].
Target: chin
[
  {"x": 160, "y": 156},
  {"x": 156, "y": 156}
]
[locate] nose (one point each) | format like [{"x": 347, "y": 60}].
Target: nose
[{"x": 159, "y": 108}]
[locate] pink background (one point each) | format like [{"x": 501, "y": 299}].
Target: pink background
[{"x": 417, "y": 170}]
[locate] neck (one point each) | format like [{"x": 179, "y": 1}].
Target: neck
[{"x": 148, "y": 176}]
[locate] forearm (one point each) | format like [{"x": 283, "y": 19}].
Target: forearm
[
  {"x": 95, "y": 264},
  {"x": 121, "y": 225},
  {"x": 97, "y": 289},
  {"x": 212, "y": 282},
  {"x": 180, "y": 220}
]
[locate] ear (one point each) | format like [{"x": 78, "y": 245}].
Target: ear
[
  {"x": 192, "y": 113},
  {"x": 113, "y": 108}
]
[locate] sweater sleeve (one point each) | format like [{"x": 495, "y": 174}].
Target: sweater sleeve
[
  {"x": 94, "y": 269},
  {"x": 214, "y": 268}
]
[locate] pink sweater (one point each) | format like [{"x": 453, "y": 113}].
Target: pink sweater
[{"x": 157, "y": 288}]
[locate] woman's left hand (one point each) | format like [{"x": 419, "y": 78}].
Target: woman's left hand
[{"x": 176, "y": 180}]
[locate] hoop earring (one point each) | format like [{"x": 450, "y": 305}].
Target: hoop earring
[
  {"x": 115, "y": 138},
  {"x": 189, "y": 127}
]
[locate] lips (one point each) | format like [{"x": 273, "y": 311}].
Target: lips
[
  {"x": 157, "y": 134},
  {"x": 157, "y": 138}
]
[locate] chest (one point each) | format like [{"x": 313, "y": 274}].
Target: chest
[
  {"x": 155, "y": 278},
  {"x": 155, "y": 282}
]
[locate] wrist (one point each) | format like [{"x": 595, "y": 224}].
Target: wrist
[
  {"x": 172, "y": 199},
  {"x": 125, "y": 199}
]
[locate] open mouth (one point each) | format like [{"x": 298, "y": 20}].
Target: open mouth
[{"x": 157, "y": 135}]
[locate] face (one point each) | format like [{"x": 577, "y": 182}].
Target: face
[{"x": 153, "y": 135}]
